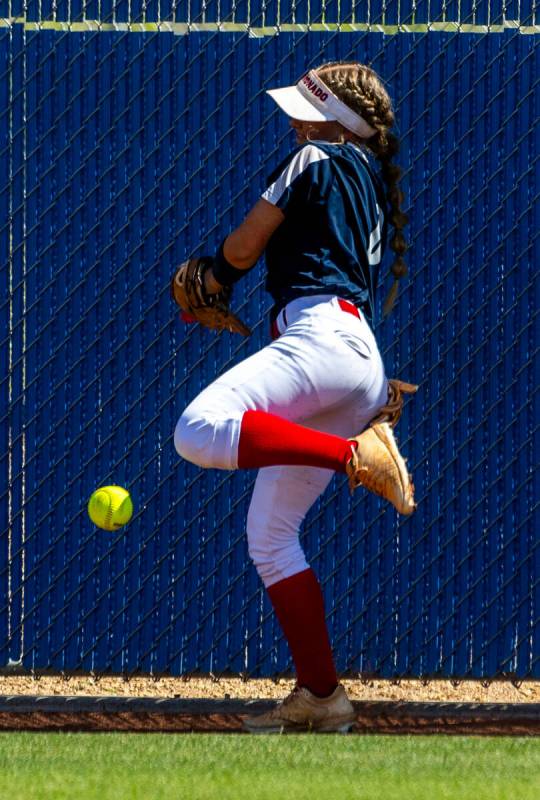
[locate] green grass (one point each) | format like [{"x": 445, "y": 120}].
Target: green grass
[{"x": 36, "y": 766}]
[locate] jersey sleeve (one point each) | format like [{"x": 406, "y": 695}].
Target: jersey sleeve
[{"x": 298, "y": 179}]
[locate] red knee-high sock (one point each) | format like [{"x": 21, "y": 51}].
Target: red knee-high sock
[
  {"x": 267, "y": 440},
  {"x": 299, "y": 607}
]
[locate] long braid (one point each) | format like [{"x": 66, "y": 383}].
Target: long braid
[{"x": 361, "y": 89}]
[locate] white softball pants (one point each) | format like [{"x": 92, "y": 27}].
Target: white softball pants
[{"x": 325, "y": 372}]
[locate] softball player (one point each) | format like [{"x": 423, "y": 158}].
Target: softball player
[{"x": 293, "y": 409}]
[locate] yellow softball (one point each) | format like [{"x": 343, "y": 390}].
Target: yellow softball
[{"x": 110, "y": 507}]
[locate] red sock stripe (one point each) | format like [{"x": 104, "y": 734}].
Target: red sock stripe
[
  {"x": 299, "y": 606},
  {"x": 267, "y": 440}
]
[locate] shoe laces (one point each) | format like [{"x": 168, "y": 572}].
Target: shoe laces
[
  {"x": 373, "y": 479},
  {"x": 377, "y": 478},
  {"x": 276, "y": 711},
  {"x": 290, "y": 697}
]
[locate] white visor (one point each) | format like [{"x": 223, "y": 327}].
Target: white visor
[{"x": 312, "y": 101}]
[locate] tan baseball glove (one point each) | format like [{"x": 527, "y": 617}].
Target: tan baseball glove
[
  {"x": 211, "y": 310},
  {"x": 376, "y": 463}
]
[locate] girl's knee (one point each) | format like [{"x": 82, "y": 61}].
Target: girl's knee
[
  {"x": 193, "y": 437},
  {"x": 207, "y": 439}
]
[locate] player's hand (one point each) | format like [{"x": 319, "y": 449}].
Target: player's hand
[{"x": 211, "y": 286}]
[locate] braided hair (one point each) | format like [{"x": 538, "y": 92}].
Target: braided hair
[{"x": 360, "y": 88}]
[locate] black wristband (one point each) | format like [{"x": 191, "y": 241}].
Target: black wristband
[{"x": 224, "y": 272}]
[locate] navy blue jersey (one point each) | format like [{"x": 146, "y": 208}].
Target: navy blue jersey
[{"x": 334, "y": 232}]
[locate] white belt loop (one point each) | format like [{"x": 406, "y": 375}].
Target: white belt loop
[{"x": 293, "y": 309}]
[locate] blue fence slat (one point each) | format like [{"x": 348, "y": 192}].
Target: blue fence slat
[
  {"x": 14, "y": 365},
  {"x": 5, "y": 155},
  {"x": 5, "y": 314}
]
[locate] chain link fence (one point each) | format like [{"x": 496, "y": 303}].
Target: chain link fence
[{"x": 126, "y": 145}]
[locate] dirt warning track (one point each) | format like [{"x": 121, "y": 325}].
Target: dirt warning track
[{"x": 147, "y": 715}]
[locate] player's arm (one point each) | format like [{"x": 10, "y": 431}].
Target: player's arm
[{"x": 243, "y": 247}]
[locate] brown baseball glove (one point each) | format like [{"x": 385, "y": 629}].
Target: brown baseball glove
[
  {"x": 391, "y": 412},
  {"x": 211, "y": 310}
]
